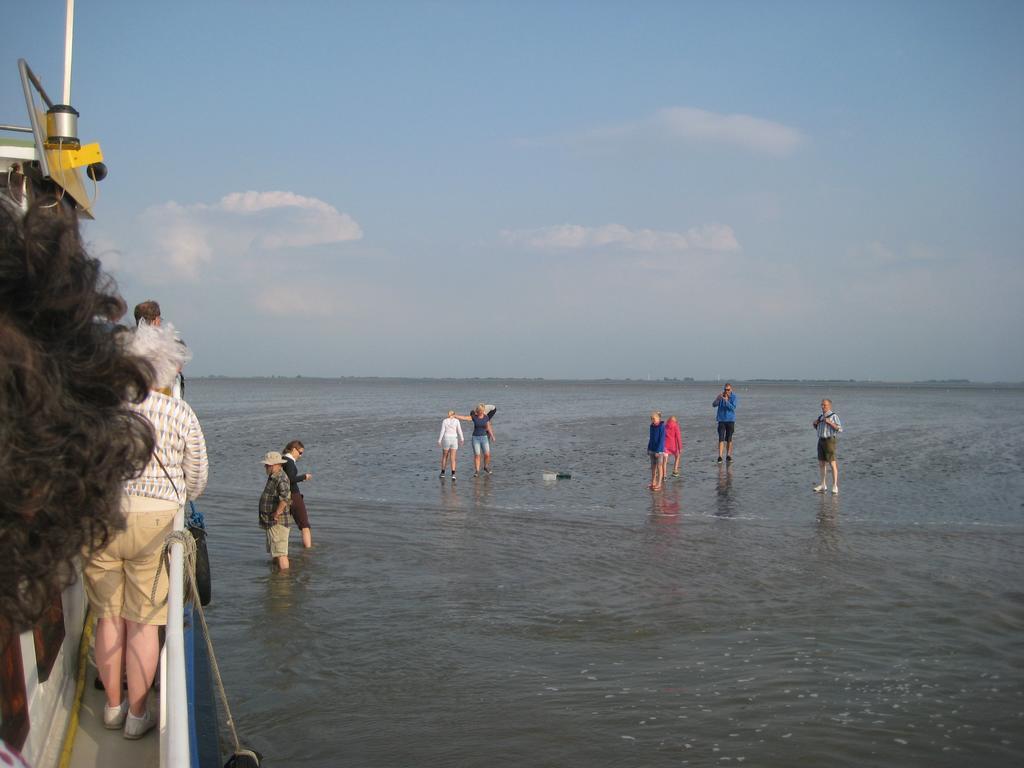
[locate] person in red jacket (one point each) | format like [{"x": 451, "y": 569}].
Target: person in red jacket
[{"x": 673, "y": 444}]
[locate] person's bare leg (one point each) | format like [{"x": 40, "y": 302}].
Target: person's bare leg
[
  {"x": 282, "y": 563},
  {"x": 675, "y": 468},
  {"x": 476, "y": 462},
  {"x": 487, "y": 460},
  {"x": 143, "y": 655},
  {"x": 721, "y": 448},
  {"x": 110, "y": 635},
  {"x": 835, "y": 473},
  {"x": 656, "y": 473},
  {"x": 444, "y": 459},
  {"x": 729, "y": 452},
  {"x": 307, "y": 538},
  {"x": 454, "y": 460}
]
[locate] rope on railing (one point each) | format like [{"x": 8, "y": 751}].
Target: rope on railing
[{"x": 242, "y": 757}]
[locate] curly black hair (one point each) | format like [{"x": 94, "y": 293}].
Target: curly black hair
[{"x": 68, "y": 440}]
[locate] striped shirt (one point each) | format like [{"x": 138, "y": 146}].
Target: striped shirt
[
  {"x": 181, "y": 447},
  {"x": 824, "y": 430}
]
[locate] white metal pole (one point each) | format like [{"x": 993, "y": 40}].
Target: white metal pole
[
  {"x": 69, "y": 33},
  {"x": 174, "y": 690}
]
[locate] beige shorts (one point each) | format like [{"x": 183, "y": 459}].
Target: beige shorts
[
  {"x": 277, "y": 540},
  {"x": 119, "y": 577}
]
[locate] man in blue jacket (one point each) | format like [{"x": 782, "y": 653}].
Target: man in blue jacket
[{"x": 726, "y": 403}]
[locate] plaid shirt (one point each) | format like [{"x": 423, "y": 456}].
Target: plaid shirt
[{"x": 277, "y": 488}]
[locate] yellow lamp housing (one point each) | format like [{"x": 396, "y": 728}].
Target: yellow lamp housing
[{"x": 76, "y": 158}]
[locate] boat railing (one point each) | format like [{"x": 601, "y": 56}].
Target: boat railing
[{"x": 174, "y": 710}]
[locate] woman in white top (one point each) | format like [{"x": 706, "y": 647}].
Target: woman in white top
[
  {"x": 120, "y": 576},
  {"x": 450, "y": 439}
]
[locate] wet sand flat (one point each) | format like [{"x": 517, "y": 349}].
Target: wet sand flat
[{"x": 733, "y": 618}]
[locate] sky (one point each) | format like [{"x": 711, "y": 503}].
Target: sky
[{"x": 557, "y": 189}]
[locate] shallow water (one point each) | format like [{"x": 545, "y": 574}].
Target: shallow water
[{"x": 733, "y": 618}]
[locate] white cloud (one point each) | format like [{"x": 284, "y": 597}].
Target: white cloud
[
  {"x": 877, "y": 254},
  {"x": 710, "y": 237},
  {"x": 106, "y": 250},
  {"x": 251, "y": 202},
  {"x": 176, "y": 237},
  {"x": 691, "y": 125},
  {"x": 752, "y": 133},
  {"x": 182, "y": 239},
  {"x": 307, "y": 300}
]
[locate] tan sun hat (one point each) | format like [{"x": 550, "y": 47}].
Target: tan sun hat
[{"x": 273, "y": 457}]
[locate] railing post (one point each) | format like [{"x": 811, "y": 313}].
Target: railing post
[{"x": 174, "y": 732}]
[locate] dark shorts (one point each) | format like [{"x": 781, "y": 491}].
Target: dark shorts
[
  {"x": 298, "y": 510},
  {"x": 826, "y": 449},
  {"x": 725, "y": 430}
]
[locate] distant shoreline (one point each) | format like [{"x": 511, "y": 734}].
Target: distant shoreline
[{"x": 687, "y": 381}]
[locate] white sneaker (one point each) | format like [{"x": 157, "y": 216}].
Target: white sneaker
[
  {"x": 113, "y": 717},
  {"x": 137, "y": 727},
  {"x": 820, "y": 488},
  {"x": 835, "y": 490}
]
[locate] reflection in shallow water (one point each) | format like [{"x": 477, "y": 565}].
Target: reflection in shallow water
[
  {"x": 451, "y": 501},
  {"x": 667, "y": 501},
  {"x": 827, "y": 524},
  {"x": 664, "y": 522},
  {"x": 481, "y": 489},
  {"x": 723, "y": 492},
  {"x": 280, "y": 587}
]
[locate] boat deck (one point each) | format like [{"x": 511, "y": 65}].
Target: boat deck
[{"x": 96, "y": 746}]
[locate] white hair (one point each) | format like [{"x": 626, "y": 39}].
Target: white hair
[{"x": 161, "y": 346}]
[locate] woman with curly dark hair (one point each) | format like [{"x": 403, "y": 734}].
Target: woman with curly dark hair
[{"x": 68, "y": 440}]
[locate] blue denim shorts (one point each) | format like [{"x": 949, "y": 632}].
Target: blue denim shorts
[{"x": 481, "y": 444}]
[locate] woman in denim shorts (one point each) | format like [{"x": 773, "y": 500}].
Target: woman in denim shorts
[{"x": 483, "y": 436}]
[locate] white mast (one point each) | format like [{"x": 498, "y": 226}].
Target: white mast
[{"x": 69, "y": 30}]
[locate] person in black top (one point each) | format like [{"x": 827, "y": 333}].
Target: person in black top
[
  {"x": 483, "y": 435},
  {"x": 291, "y": 452}
]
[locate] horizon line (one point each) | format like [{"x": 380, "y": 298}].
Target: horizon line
[{"x": 661, "y": 380}]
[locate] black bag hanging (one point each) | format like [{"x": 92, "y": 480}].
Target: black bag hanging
[{"x": 197, "y": 528}]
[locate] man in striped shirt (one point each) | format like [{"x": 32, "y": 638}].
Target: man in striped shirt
[{"x": 828, "y": 426}]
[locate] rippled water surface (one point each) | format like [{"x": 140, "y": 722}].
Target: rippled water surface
[{"x": 734, "y": 618}]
